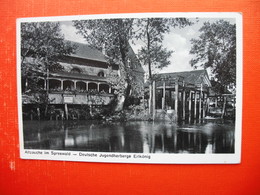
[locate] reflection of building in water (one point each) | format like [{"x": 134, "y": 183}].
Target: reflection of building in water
[
  {"x": 82, "y": 80},
  {"x": 209, "y": 148},
  {"x": 211, "y": 139},
  {"x": 135, "y": 137}
]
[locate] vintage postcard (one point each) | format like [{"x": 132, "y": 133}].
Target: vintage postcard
[{"x": 161, "y": 88}]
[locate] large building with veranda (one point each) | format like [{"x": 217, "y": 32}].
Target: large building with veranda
[{"x": 83, "y": 81}]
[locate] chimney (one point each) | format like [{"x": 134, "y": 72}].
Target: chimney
[{"x": 104, "y": 49}]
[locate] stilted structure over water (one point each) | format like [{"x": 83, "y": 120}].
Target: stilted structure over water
[
  {"x": 222, "y": 105},
  {"x": 181, "y": 95}
]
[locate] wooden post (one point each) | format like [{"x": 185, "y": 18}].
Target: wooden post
[
  {"x": 183, "y": 104},
  {"x": 176, "y": 98},
  {"x": 195, "y": 105},
  {"x": 75, "y": 85},
  {"x": 61, "y": 85},
  {"x": 98, "y": 87},
  {"x": 38, "y": 113},
  {"x": 200, "y": 101},
  {"x": 204, "y": 105},
  {"x": 207, "y": 106},
  {"x": 190, "y": 100},
  {"x": 216, "y": 101},
  {"x": 175, "y": 135},
  {"x": 163, "y": 98},
  {"x": 86, "y": 86},
  {"x": 154, "y": 106},
  {"x": 224, "y": 107},
  {"x": 66, "y": 112}
]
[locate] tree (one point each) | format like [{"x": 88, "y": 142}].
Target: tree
[
  {"x": 151, "y": 32},
  {"x": 42, "y": 45},
  {"x": 111, "y": 36},
  {"x": 216, "y": 49}
]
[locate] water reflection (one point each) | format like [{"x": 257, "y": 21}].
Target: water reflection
[{"x": 134, "y": 137}]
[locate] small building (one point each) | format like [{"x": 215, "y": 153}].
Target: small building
[
  {"x": 83, "y": 80},
  {"x": 222, "y": 104},
  {"x": 182, "y": 94}
]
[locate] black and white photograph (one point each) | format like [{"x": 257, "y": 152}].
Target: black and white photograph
[{"x": 162, "y": 88}]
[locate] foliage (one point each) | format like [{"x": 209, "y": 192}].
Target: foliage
[
  {"x": 216, "y": 49},
  {"x": 109, "y": 35},
  {"x": 42, "y": 44},
  {"x": 151, "y": 32},
  {"x": 113, "y": 36}
]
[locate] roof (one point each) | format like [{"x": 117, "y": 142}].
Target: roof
[
  {"x": 193, "y": 77},
  {"x": 137, "y": 65},
  {"x": 77, "y": 76},
  {"x": 85, "y": 51}
]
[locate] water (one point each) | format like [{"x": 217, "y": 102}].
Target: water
[{"x": 135, "y": 137}]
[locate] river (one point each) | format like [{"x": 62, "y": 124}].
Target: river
[{"x": 214, "y": 136}]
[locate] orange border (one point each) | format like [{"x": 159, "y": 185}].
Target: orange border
[{"x": 43, "y": 177}]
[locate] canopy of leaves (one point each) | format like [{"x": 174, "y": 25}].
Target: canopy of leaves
[
  {"x": 151, "y": 32},
  {"x": 42, "y": 44},
  {"x": 158, "y": 56},
  {"x": 216, "y": 49},
  {"x": 112, "y": 37},
  {"x": 108, "y": 35}
]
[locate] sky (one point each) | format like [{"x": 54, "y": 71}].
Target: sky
[{"x": 178, "y": 40}]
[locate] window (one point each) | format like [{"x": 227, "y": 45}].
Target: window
[
  {"x": 101, "y": 74},
  {"x": 75, "y": 70}
]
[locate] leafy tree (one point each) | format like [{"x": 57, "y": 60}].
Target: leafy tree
[
  {"x": 151, "y": 32},
  {"x": 112, "y": 36},
  {"x": 216, "y": 49},
  {"x": 42, "y": 45}
]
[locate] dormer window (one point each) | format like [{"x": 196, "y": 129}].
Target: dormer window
[
  {"x": 101, "y": 74},
  {"x": 75, "y": 70}
]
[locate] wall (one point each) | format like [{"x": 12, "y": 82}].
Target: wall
[
  {"x": 81, "y": 98},
  {"x": 19, "y": 176}
]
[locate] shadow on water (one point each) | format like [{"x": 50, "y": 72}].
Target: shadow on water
[{"x": 135, "y": 137}]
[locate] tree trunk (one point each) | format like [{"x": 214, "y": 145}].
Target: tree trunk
[
  {"x": 121, "y": 99},
  {"x": 150, "y": 98},
  {"x": 120, "y": 103},
  {"x": 149, "y": 69}
]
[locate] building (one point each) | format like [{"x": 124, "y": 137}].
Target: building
[
  {"x": 84, "y": 80},
  {"x": 182, "y": 94},
  {"x": 222, "y": 102}
]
